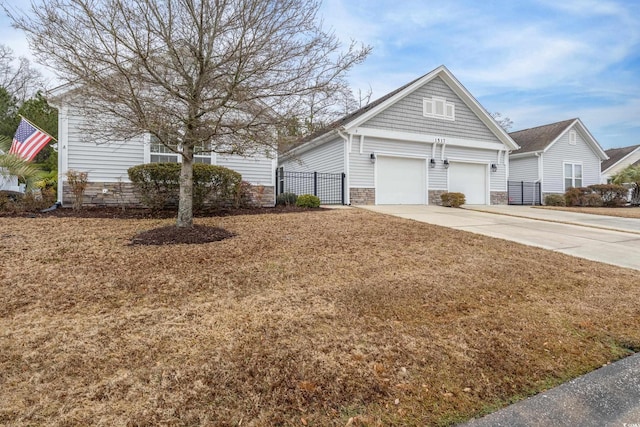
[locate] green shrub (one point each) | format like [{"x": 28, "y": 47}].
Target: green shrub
[
  {"x": 308, "y": 201},
  {"x": 612, "y": 195},
  {"x": 158, "y": 184},
  {"x": 554, "y": 200},
  {"x": 286, "y": 199},
  {"x": 453, "y": 200}
]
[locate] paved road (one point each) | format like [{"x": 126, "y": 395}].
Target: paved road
[
  {"x": 564, "y": 232},
  {"x": 609, "y": 396}
]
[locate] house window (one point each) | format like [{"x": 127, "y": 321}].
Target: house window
[
  {"x": 572, "y": 137},
  {"x": 438, "y": 108},
  {"x": 572, "y": 175},
  {"x": 160, "y": 153}
]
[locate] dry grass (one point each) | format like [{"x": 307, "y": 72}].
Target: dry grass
[
  {"x": 626, "y": 212},
  {"x": 301, "y": 319}
]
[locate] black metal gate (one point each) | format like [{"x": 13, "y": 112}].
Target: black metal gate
[
  {"x": 524, "y": 193},
  {"x": 329, "y": 187}
]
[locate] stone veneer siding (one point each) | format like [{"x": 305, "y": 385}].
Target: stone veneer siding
[
  {"x": 123, "y": 194},
  {"x": 499, "y": 198},
  {"x": 434, "y": 197},
  {"x": 363, "y": 196}
]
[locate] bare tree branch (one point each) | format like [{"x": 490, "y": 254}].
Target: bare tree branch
[{"x": 220, "y": 73}]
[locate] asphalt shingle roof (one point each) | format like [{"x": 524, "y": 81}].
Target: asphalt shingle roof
[
  {"x": 538, "y": 138},
  {"x": 617, "y": 154}
]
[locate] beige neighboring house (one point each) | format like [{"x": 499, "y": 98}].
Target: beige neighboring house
[{"x": 619, "y": 159}]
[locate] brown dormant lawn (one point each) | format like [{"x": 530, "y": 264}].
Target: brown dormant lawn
[
  {"x": 319, "y": 318},
  {"x": 625, "y": 212}
]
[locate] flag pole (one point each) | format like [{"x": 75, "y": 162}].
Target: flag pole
[{"x": 28, "y": 121}]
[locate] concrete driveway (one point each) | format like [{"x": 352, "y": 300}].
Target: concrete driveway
[{"x": 607, "y": 239}]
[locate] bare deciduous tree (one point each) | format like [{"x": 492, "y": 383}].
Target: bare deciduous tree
[
  {"x": 218, "y": 73},
  {"x": 504, "y": 121},
  {"x": 17, "y": 75}
]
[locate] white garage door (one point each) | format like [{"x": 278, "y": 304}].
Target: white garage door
[
  {"x": 401, "y": 181},
  {"x": 469, "y": 179}
]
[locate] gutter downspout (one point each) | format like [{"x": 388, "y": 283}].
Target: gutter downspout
[{"x": 348, "y": 140}]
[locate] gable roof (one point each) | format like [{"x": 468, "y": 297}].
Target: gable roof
[
  {"x": 618, "y": 154},
  {"x": 363, "y": 114},
  {"x": 541, "y": 138}
]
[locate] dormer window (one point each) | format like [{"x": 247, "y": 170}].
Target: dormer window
[
  {"x": 572, "y": 137},
  {"x": 439, "y": 108}
]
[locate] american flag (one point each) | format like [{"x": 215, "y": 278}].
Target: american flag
[{"x": 28, "y": 140}]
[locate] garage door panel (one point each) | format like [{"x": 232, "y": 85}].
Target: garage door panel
[
  {"x": 401, "y": 181},
  {"x": 469, "y": 179}
]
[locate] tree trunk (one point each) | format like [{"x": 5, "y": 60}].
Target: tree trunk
[{"x": 185, "y": 203}]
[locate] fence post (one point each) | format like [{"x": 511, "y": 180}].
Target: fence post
[
  {"x": 522, "y": 193},
  {"x": 315, "y": 183},
  {"x": 342, "y": 187}
]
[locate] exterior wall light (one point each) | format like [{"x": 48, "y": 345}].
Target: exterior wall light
[
  {"x": 494, "y": 167},
  {"x": 372, "y": 157},
  {"x": 432, "y": 163},
  {"x": 446, "y": 163}
]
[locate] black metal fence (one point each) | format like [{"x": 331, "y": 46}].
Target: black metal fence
[
  {"x": 329, "y": 187},
  {"x": 524, "y": 193}
]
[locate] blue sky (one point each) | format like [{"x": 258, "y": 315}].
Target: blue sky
[{"x": 535, "y": 61}]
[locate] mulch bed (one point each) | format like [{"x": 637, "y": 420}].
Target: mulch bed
[{"x": 171, "y": 235}]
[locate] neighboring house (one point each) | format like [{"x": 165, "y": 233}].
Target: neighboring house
[
  {"x": 558, "y": 155},
  {"x": 9, "y": 183},
  {"x": 107, "y": 162},
  {"x": 413, "y": 144},
  {"x": 619, "y": 159}
]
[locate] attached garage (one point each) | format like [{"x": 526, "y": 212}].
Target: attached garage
[
  {"x": 401, "y": 181},
  {"x": 469, "y": 179}
]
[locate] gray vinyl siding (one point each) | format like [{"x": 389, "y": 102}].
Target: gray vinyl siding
[
  {"x": 361, "y": 168},
  {"x": 560, "y": 152},
  {"x": 326, "y": 158},
  {"x": 497, "y": 180},
  {"x": 256, "y": 170},
  {"x": 105, "y": 162},
  {"x": 523, "y": 169},
  {"x": 108, "y": 162},
  {"x": 407, "y": 115}
]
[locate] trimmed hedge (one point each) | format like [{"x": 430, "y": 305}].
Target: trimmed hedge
[
  {"x": 308, "y": 201},
  {"x": 286, "y": 199},
  {"x": 554, "y": 200},
  {"x": 158, "y": 184},
  {"x": 612, "y": 195},
  {"x": 453, "y": 200}
]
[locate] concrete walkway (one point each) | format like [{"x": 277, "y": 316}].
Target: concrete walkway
[
  {"x": 609, "y": 396},
  {"x": 630, "y": 225},
  {"x": 614, "y": 242}
]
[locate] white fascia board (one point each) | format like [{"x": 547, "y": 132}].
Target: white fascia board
[
  {"x": 462, "y": 93},
  {"x": 634, "y": 154},
  {"x": 398, "y": 96},
  {"x": 478, "y": 109},
  {"x": 597, "y": 149},
  {"x": 522, "y": 155},
  {"x": 429, "y": 139},
  {"x": 296, "y": 151}
]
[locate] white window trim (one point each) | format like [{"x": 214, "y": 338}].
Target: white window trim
[
  {"x": 573, "y": 174},
  {"x": 448, "y": 108},
  {"x": 147, "y": 152},
  {"x": 573, "y": 137}
]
